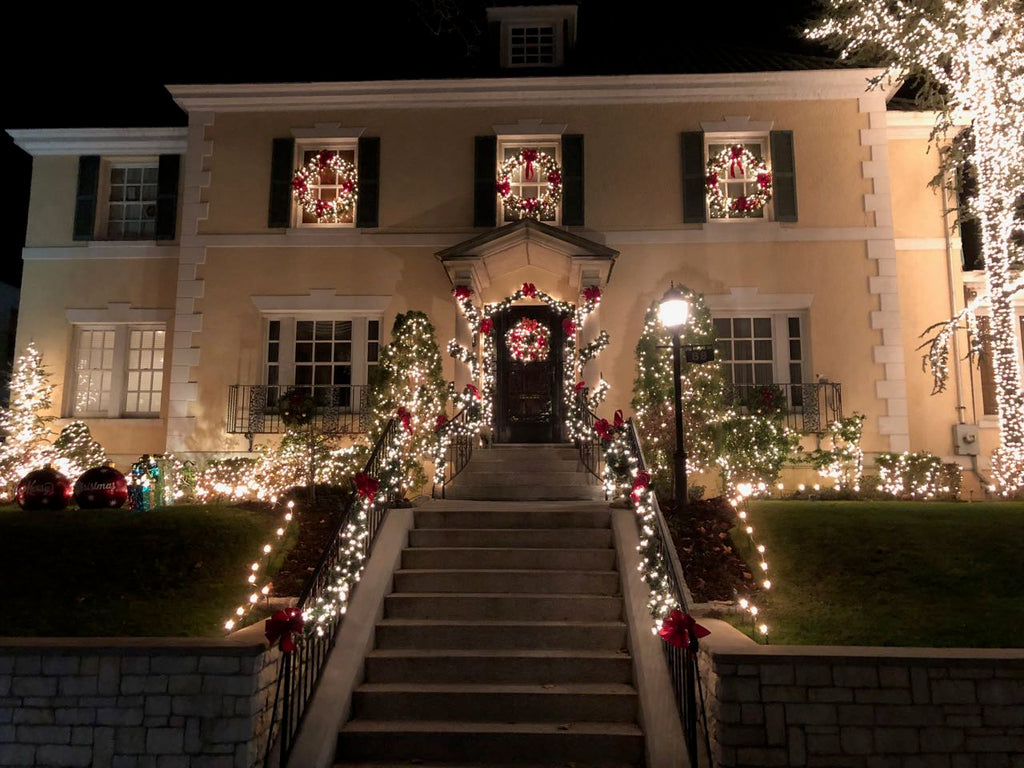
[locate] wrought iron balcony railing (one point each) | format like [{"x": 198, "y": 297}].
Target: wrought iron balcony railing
[
  {"x": 254, "y": 409},
  {"x": 807, "y": 409}
]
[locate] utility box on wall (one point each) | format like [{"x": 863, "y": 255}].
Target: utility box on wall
[{"x": 965, "y": 439}]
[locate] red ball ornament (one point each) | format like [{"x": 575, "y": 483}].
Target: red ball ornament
[
  {"x": 101, "y": 488},
  {"x": 43, "y": 489}
]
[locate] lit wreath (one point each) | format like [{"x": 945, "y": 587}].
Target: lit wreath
[
  {"x": 327, "y": 211},
  {"x": 534, "y": 164},
  {"x": 527, "y": 341},
  {"x": 730, "y": 163},
  {"x": 296, "y": 408}
]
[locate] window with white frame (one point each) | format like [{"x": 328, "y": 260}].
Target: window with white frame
[
  {"x": 532, "y": 45},
  {"x": 762, "y": 349},
  {"x": 332, "y": 184},
  {"x": 131, "y": 201},
  {"x": 528, "y": 181},
  {"x": 740, "y": 179},
  {"x": 330, "y": 358},
  {"x": 118, "y": 370}
]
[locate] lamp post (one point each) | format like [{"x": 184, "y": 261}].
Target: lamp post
[{"x": 673, "y": 312}]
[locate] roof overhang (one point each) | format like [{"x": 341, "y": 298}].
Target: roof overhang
[
  {"x": 488, "y": 256},
  {"x": 100, "y": 141}
]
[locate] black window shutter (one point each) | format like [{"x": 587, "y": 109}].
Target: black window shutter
[
  {"x": 783, "y": 176},
  {"x": 280, "y": 213},
  {"x": 572, "y": 180},
  {"x": 85, "y": 198},
  {"x": 167, "y": 196},
  {"x": 485, "y": 193},
  {"x": 368, "y": 202},
  {"x": 695, "y": 209}
]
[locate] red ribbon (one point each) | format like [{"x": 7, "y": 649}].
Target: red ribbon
[
  {"x": 473, "y": 391},
  {"x": 529, "y": 290},
  {"x": 299, "y": 185},
  {"x": 282, "y": 626},
  {"x": 568, "y": 326},
  {"x": 742, "y": 204},
  {"x": 529, "y": 156},
  {"x": 504, "y": 187},
  {"x": 712, "y": 180},
  {"x": 441, "y": 421},
  {"x": 325, "y": 157},
  {"x": 580, "y": 386},
  {"x": 604, "y": 429},
  {"x": 593, "y": 293},
  {"x": 640, "y": 484},
  {"x": 529, "y": 204},
  {"x": 736, "y": 162},
  {"x": 619, "y": 421},
  {"x": 554, "y": 178},
  {"x": 406, "y": 418},
  {"x": 681, "y": 630},
  {"x": 486, "y": 325},
  {"x": 367, "y": 485},
  {"x": 462, "y": 292},
  {"x": 764, "y": 179}
]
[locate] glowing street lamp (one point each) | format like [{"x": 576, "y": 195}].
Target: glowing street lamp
[{"x": 673, "y": 312}]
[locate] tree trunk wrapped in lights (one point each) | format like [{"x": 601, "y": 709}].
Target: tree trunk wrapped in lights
[{"x": 968, "y": 59}]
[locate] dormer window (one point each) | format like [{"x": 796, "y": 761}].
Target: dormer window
[{"x": 534, "y": 36}]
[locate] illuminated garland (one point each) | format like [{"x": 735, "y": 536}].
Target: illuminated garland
[
  {"x": 327, "y": 211},
  {"x": 917, "y": 475},
  {"x": 260, "y": 564},
  {"x": 527, "y": 341},
  {"x": 737, "y": 162},
  {"x": 532, "y": 162}
]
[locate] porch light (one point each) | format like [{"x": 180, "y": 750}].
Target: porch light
[{"x": 674, "y": 309}]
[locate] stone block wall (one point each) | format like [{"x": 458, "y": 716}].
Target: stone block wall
[
  {"x": 139, "y": 703},
  {"x": 861, "y": 707}
]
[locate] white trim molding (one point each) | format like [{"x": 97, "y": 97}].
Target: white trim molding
[
  {"x": 328, "y": 131},
  {"x": 902, "y": 125},
  {"x": 99, "y": 250},
  {"x": 738, "y": 124},
  {"x": 319, "y": 301},
  {"x": 527, "y": 128},
  {"x": 101, "y": 141},
  {"x": 119, "y": 312}
]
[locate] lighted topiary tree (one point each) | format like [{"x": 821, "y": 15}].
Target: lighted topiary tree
[
  {"x": 24, "y": 429},
  {"x": 409, "y": 377},
  {"x": 74, "y": 450}
]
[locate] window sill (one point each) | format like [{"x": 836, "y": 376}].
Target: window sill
[{"x": 139, "y": 418}]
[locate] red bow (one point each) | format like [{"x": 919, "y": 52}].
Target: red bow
[
  {"x": 486, "y": 325},
  {"x": 462, "y": 292},
  {"x": 504, "y": 187},
  {"x": 366, "y": 485},
  {"x": 640, "y": 483},
  {"x": 581, "y": 385},
  {"x": 299, "y": 185},
  {"x": 764, "y": 179},
  {"x": 603, "y": 429},
  {"x": 618, "y": 419},
  {"x": 554, "y": 178},
  {"x": 711, "y": 180},
  {"x": 325, "y": 157},
  {"x": 593, "y": 293},
  {"x": 681, "y": 630},
  {"x": 529, "y": 156},
  {"x": 568, "y": 326},
  {"x": 742, "y": 204},
  {"x": 406, "y": 418},
  {"x": 441, "y": 421},
  {"x": 529, "y": 204},
  {"x": 347, "y": 186},
  {"x": 282, "y": 626},
  {"x": 529, "y": 290},
  {"x": 736, "y": 164},
  {"x": 471, "y": 389}
]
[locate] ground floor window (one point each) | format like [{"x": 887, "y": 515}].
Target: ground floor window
[
  {"x": 762, "y": 349},
  {"x": 118, "y": 370}
]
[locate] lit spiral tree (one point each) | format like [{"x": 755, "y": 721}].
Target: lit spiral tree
[
  {"x": 75, "y": 451},
  {"x": 24, "y": 429},
  {"x": 967, "y": 57}
]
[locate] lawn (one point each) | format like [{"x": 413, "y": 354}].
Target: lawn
[
  {"x": 889, "y": 573},
  {"x": 173, "y": 571}
]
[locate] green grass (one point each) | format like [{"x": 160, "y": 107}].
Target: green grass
[
  {"x": 174, "y": 571},
  {"x": 890, "y": 573}
]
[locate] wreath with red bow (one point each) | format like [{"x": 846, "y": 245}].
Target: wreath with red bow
[
  {"x": 538, "y": 168},
  {"x": 296, "y": 408},
  {"x": 308, "y": 176},
  {"x": 737, "y": 163},
  {"x": 527, "y": 341}
]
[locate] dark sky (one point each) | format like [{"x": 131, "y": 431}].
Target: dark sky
[{"x": 111, "y": 72}]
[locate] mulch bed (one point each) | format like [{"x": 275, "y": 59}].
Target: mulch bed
[
  {"x": 317, "y": 521},
  {"x": 712, "y": 568}
]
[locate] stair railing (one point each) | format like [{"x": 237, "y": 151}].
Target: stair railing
[
  {"x": 457, "y": 437},
  {"x": 588, "y": 442},
  {"x": 682, "y": 662},
  {"x": 300, "y": 671}
]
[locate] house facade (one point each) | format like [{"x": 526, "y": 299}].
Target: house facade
[{"x": 179, "y": 282}]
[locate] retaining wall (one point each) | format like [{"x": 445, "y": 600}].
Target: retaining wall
[
  {"x": 137, "y": 703},
  {"x": 861, "y": 707}
]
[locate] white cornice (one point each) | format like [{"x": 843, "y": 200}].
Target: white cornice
[
  {"x": 804, "y": 85},
  {"x": 902, "y": 125},
  {"x": 100, "y": 141}
]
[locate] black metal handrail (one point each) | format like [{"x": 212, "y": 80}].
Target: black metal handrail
[
  {"x": 300, "y": 671},
  {"x": 807, "y": 409},
  {"x": 253, "y": 409},
  {"x": 588, "y": 442},
  {"x": 682, "y": 663},
  {"x": 457, "y": 452}
]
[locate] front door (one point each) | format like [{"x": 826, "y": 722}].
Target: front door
[{"x": 529, "y": 375}]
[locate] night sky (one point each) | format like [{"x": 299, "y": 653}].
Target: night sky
[{"x": 108, "y": 72}]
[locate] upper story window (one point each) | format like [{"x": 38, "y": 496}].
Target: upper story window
[
  {"x": 131, "y": 206},
  {"x": 532, "y": 171},
  {"x": 126, "y": 198},
  {"x": 326, "y": 184},
  {"x": 118, "y": 370},
  {"x": 534, "y": 36},
  {"x": 531, "y": 46},
  {"x": 739, "y": 180}
]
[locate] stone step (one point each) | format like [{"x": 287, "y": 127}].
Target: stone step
[
  {"x": 555, "y": 538},
  {"x": 523, "y": 607},
  {"x": 525, "y": 465},
  {"x": 492, "y": 634},
  {"x": 502, "y": 558},
  {"x": 449, "y": 764},
  {"x": 564, "y": 702},
  {"x": 512, "y": 518},
  {"x": 515, "y": 478},
  {"x": 530, "y": 581},
  {"x": 497, "y": 666},
  {"x": 520, "y": 492},
  {"x": 595, "y": 743}
]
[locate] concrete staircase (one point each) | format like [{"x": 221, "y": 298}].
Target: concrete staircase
[
  {"x": 526, "y": 472},
  {"x": 502, "y": 643}
]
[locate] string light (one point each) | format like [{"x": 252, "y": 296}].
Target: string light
[
  {"x": 264, "y": 590},
  {"x": 24, "y": 428},
  {"x": 917, "y": 475}
]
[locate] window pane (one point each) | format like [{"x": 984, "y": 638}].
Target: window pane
[
  {"x": 343, "y": 352},
  {"x": 741, "y": 327},
  {"x": 275, "y": 330},
  {"x": 304, "y": 330},
  {"x": 794, "y": 349},
  {"x": 303, "y": 375},
  {"x": 343, "y": 330},
  {"x": 742, "y": 350},
  {"x": 723, "y": 327},
  {"x": 322, "y": 375},
  {"x": 762, "y": 327},
  {"x": 322, "y": 353},
  {"x": 342, "y": 375},
  {"x": 324, "y": 330},
  {"x": 762, "y": 350},
  {"x": 373, "y": 330},
  {"x": 763, "y": 374},
  {"x": 794, "y": 326},
  {"x": 304, "y": 353}
]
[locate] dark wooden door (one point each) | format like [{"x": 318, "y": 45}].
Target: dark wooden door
[{"x": 529, "y": 394}]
